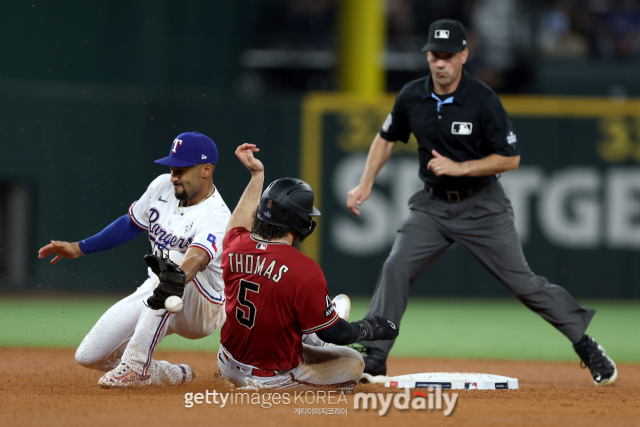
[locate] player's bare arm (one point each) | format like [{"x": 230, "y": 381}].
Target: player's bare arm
[
  {"x": 243, "y": 213},
  {"x": 490, "y": 165},
  {"x": 379, "y": 154},
  {"x": 61, "y": 249},
  {"x": 195, "y": 260}
]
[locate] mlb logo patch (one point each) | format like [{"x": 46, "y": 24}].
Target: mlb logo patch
[
  {"x": 212, "y": 239},
  {"x": 461, "y": 128},
  {"x": 387, "y": 123},
  {"x": 511, "y": 138},
  {"x": 442, "y": 34},
  {"x": 262, "y": 246}
]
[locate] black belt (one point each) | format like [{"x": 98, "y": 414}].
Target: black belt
[{"x": 456, "y": 196}]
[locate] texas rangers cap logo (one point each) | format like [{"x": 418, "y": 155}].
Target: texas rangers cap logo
[
  {"x": 176, "y": 142},
  {"x": 189, "y": 149}
]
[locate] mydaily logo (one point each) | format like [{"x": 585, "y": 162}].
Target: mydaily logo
[{"x": 403, "y": 401}]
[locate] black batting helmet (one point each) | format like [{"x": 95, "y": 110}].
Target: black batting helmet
[{"x": 288, "y": 203}]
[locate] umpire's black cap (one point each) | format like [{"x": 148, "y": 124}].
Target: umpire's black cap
[{"x": 446, "y": 35}]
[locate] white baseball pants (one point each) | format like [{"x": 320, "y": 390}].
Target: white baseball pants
[
  {"x": 335, "y": 366},
  {"x": 130, "y": 331}
]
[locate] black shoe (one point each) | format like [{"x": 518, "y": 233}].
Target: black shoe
[
  {"x": 375, "y": 362},
  {"x": 593, "y": 356}
]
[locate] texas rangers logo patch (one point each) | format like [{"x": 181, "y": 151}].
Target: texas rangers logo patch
[
  {"x": 212, "y": 239},
  {"x": 461, "y": 128}
]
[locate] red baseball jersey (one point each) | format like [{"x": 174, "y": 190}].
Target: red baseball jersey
[{"x": 274, "y": 295}]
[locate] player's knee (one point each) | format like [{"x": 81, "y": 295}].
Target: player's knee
[
  {"x": 84, "y": 359},
  {"x": 214, "y": 319},
  {"x": 354, "y": 359},
  {"x": 359, "y": 366},
  {"x": 90, "y": 359},
  {"x": 196, "y": 333}
]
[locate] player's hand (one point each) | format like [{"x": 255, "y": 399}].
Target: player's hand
[
  {"x": 171, "y": 278},
  {"x": 377, "y": 328},
  {"x": 441, "y": 165},
  {"x": 356, "y": 197},
  {"x": 245, "y": 153},
  {"x": 61, "y": 249}
]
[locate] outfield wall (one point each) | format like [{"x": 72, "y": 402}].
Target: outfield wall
[{"x": 83, "y": 154}]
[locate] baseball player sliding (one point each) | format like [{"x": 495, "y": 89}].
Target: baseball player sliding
[
  {"x": 277, "y": 297},
  {"x": 185, "y": 218}
]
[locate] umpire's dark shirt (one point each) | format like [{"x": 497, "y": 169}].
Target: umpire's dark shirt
[{"x": 471, "y": 127}]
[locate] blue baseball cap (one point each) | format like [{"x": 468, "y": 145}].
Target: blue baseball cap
[{"x": 190, "y": 149}]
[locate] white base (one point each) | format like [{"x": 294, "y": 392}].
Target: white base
[{"x": 446, "y": 380}]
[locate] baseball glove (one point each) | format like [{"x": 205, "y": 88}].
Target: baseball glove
[
  {"x": 377, "y": 328},
  {"x": 172, "y": 280}
]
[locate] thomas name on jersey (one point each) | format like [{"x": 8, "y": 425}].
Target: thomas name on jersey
[{"x": 250, "y": 264}]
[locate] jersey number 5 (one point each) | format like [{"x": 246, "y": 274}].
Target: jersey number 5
[{"x": 250, "y": 320}]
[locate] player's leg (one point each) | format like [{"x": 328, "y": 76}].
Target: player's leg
[
  {"x": 338, "y": 367},
  {"x": 103, "y": 346},
  {"x": 203, "y": 311},
  {"x": 488, "y": 232},
  {"x": 202, "y": 314},
  {"x": 137, "y": 368},
  {"x": 421, "y": 240}
]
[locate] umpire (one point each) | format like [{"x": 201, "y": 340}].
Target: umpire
[{"x": 465, "y": 138}]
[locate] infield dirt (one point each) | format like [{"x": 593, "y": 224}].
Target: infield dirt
[{"x": 47, "y": 388}]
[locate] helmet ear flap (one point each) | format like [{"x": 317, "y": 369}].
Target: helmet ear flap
[{"x": 307, "y": 232}]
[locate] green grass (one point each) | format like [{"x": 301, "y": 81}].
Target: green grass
[{"x": 450, "y": 328}]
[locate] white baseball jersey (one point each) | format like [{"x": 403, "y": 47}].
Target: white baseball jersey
[{"x": 175, "y": 228}]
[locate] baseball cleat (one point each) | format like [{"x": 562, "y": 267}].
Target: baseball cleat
[
  {"x": 187, "y": 374},
  {"x": 593, "y": 356},
  {"x": 375, "y": 362},
  {"x": 123, "y": 376},
  {"x": 342, "y": 305}
]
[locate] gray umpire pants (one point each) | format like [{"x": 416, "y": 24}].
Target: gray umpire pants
[{"x": 484, "y": 226}]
